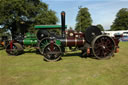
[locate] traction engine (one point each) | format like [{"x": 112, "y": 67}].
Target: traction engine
[{"x": 52, "y": 46}]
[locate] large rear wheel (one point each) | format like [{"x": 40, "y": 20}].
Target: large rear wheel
[{"x": 103, "y": 47}]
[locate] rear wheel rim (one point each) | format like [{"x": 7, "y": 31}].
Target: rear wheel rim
[{"x": 103, "y": 47}]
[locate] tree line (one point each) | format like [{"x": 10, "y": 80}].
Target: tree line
[
  {"x": 84, "y": 20},
  {"x": 20, "y": 16}
]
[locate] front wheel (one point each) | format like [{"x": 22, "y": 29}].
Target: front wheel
[
  {"x": 14, "y": 49},
  {"x": 52, "y": 53}
]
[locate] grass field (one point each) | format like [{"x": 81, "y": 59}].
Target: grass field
[{"x": 30, "y": 69}]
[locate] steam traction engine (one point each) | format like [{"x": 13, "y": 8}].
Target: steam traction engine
[{"x": 52, "y": 46}]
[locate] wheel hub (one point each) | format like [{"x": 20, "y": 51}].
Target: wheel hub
[{"x": 103, "y": 47}]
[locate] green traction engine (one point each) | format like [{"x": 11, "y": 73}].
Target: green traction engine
[{"x": 52, "y": 45}]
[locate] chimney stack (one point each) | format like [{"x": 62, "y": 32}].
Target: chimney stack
[{"x": 63, "y": 23}]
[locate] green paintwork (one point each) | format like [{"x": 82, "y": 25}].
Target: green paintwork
[
  {"x": 48, "y": 26},
  {"x": 30, "y": 42},
  {"x": 30, "y": 35},
  {"x": 44, "y": 43},
  {"x": 58, "y": 42},
  {"x": 30, "y": 39}
]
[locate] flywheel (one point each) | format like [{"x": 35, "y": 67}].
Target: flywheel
[{"x": 91, "y": 32}]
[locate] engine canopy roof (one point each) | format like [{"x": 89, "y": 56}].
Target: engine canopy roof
[{"x": 48, "y": 26}]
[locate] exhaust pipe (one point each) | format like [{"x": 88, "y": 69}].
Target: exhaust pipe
[{"x": 63, "y": 23}]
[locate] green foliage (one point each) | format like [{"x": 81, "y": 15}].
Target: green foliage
[
  {"x": 3, "y": 32},
  {"x": 100, "y": 27},
  {"x": 21, "y": 15},
  {"x": 56, "y": 31},
  {"x": 83, "y": 19},
  {"x": 121, "y": 21}
]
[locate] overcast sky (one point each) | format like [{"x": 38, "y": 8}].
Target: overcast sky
[{"x": 102, "y": 11}]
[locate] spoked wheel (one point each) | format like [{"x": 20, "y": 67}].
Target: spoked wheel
[
  {"x": 52, "y": 54},
  {"x": 43, "y": 43},
  {"x": 103, "y": 47},
  {"x": 15, "y": 49}
]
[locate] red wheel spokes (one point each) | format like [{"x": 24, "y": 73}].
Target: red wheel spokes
[
  {"x": 103, "y": 46},
  {"x": 52, "y": 52},
  {"x": 11, "y": 44}
]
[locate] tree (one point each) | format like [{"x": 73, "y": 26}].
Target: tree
[
  {"x": 21, "y": 15},
  {"x": 83, "y": 19},
  {"x": 121, "y": 21},
  {"x": 1, "y": 32},
  {"x": 100, "y": 27},
  {"x": 70, "y": 28},
  {"x": 4, "y": 32}
]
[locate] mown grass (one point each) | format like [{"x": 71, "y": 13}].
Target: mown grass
[{"x": 31, "y": 69}]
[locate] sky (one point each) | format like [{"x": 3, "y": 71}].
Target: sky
[{"x": 102, "y": 11}]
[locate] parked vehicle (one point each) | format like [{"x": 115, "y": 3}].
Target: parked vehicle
[{"x": 52, "y": 46}]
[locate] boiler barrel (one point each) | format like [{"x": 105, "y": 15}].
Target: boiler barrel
[
  {"x": 73, "y": 41},
  {"x": 30, "y": 42}
]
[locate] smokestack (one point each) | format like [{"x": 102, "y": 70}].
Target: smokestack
[{"x": 63, "y": 23}]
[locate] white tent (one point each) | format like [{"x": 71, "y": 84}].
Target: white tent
[{"x": 112, "y": 33}]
